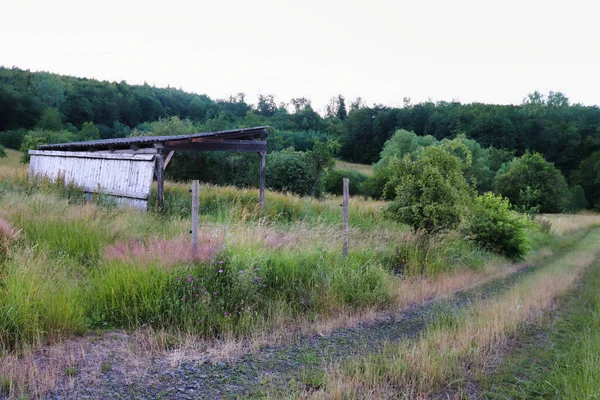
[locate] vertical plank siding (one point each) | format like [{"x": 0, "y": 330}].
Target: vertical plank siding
[{"x": 126, "y": 177}]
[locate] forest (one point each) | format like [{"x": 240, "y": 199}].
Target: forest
[{"x": 556, "y": 142}]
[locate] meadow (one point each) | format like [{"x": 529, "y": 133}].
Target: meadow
[{"x": 71, "y": 268}]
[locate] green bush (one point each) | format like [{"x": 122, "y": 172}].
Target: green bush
[
  {"x": 532, "y": 174},
  {"x": 12, "y": 139},
  {"x": 496, "y": 228},
  {"x": 288, "y": 172},
  {"x": 431, "y": 192},
  {"x": 332, "y": 181},
  {"x": 577, "y": 199}
]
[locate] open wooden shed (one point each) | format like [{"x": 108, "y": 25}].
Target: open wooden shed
[{"x": 125, "y": 167}]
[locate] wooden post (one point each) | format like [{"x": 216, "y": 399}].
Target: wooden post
[
  {"x": 345, "y": 215},
  {"x": 160, "y": 182},
  {"x": 195, "y": 208},
  {"x": 262, "y": 183}
]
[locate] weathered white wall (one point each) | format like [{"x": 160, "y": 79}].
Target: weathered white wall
[{"x": 127, "y": 177}]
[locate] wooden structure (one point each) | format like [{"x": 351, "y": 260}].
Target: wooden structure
[{"x": 123, "y": 167}]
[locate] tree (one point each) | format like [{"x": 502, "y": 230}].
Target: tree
[
  {"x": 89, "y": 131},
  {"x": 529, "y": 174},
  {"x": 403, "y": 143},
  {"x": 50, "y": 89},
  {"x": 357, "y": 104},
  {"x": 478, "y": 173},
  {"x": 30, "y": 142},
  {"x": 320, "y": 158},
  {"x": 336, "y": 108},
  {"x": 50, "y": 120},
  {"x": 588, "y": 177},
  {"x": 3, "y": 151},
  {"x": 266, "y": 105},
  {"x": 431, "y": 191},
  {"x": 300, "y": 103}
]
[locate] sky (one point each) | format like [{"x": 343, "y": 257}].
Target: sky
[{"x": 466, "y": 50}]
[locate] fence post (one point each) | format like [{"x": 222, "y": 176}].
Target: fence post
[
  {"x": 345, "y": 215},
  {"x": 195, "y": 208},
  {"x": 262, "y": 184}
]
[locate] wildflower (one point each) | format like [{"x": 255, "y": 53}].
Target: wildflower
[
  {"x": 220, "y": 271},
  {"x": 214, "y": 292},
  {"x": 197, "y": 294},
  {"x": 201, "y": 321},
  {"x": 264, "y": 285},
  {"x": 225, "y": 313},
  {"x": 220, "y": 262},
  {"x": 183, "y": 298},
  {"x": 241, "y": 272},
  {"x": 189, "y": 280}
]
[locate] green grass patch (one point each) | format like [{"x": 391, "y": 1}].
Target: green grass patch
[
  {"x": 366, "y": 169},
  {"x": 559, "y": 360},
  {"x": 13, "y": 160}
]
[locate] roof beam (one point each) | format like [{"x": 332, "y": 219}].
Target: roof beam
[
  {"x": 128, "y": 151},
  {"x": 221, "y": 145}
]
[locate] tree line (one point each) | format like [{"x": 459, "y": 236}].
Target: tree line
[{"x": 41, "y": 107}]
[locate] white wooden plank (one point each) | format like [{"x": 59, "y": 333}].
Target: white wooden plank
[
  {"x": 105, "y": 156},
  {"x": 126, "y": 176}
]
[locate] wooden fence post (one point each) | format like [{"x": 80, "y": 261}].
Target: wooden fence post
[
  {"x": 160, "y": 182},
  {"x": 345, "y": 215},
  {"x": 195, "y": 209},
  {"x": 262, "y": 184}
]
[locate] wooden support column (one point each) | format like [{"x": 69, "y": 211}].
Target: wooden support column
[
  {"x": 195, "y": 209},
  {"x": 262, "y": 183},
  {"x": 346, "y": 192},
  {"x": 160, "y": 181}
]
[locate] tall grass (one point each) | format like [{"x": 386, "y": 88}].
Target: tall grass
[
  {"x": 39, "y": 301},
  {"x": 459, "y": 344},
  {"x": 227, "y": 204},
  {"x": 120, "y": 268}
]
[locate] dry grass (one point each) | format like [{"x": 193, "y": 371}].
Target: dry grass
[
  {"x": 164, "y": 252},
  {"x": 362, "y": 168},
  {"x": 566, "y": 223},
  {"x": 13, "y": 160},
  {"x": 443, "y": 353}
]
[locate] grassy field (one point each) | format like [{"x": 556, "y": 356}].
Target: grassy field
[
  {"x": 13, "y": 160},
  {"x": 69, "y": 268},
  {"x": 362, "y": 168}
]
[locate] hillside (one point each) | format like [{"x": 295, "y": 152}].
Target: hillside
[{"x": 67, "y": 108}]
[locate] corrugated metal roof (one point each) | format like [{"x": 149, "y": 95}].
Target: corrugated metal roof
[{"x": 145, "y": 140}]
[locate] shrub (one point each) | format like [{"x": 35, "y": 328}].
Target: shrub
[
  {"x": 528, "y": 174},
  {"x": 332, "y": 181},
  {"x": 289, "y": 172},
  {"x": 431, "y": 191},
  {"x": 577, "y": 199},
  {"x": 495, "y": 227}
]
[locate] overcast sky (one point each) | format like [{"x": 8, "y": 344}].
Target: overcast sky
[{"x": 468, "y": 50}]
